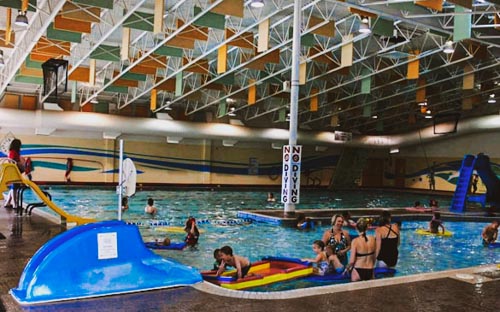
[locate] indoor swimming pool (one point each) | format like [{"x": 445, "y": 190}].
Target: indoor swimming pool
[{"x": 218, "y": 209}]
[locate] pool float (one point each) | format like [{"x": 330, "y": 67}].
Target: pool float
[
  {"x": 171, "y": 246},
  {"x": 173, "y": 229},
  {"x": 379, "y": 272},
  {"x": 421, "y": 209},
  {"x": 308, "y": 225},
  {"x": 494, "y": 245},
  {"x": 427, "y": 232},
  {"x": 267, "y": 271}
]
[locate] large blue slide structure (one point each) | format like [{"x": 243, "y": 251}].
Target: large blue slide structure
[
  {"x": 97, "y": 259},
  {"x": 482, "y": 165}
]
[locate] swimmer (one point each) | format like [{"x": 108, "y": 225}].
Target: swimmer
[
  {"x": 321, "y": 260},
  {"x": 241, "y": 264},
  {"x": 436, "y": 223},
  {"x": 150, "y": 208},
  {"x": 490, "y": 233},
  {"x": 270, "y": 198}
]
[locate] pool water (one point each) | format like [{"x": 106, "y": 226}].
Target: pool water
[{"x": 418, "y": 253}]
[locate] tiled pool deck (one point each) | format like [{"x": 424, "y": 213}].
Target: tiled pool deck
[{"x": 471, "y": 289}]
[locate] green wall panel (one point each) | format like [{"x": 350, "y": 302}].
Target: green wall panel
[
  {"x": 16, "y": 4},
  {"x": 33, "y": 64},
  {"x": 140, "y": 20},
  {"x": 462, "y": 24},
  {"x": 383, "y": 27},
  {"x": 101, "y": 108},
  {"x": 210, "y": 19},
  {"x": 134, "y": 76},
  {"x": 63, "y": 35},
  {"x": 169, "y": 51},
  {"x": 226, "y": 80},
  {"x": 105, "y": 4},
  {"x": 26, "y": 79},
  {"x": 106, "y": 53},
  {"x": 305, "y": 40}
]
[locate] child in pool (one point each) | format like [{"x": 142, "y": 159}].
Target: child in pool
[
  {"x": 241, "y": 264},
  {"x": 150, "y": 208},
  {"x": 321, "y": 259},
  {"x": 192, "y": 232},
  {"x": 218, "y": 258},
  {"x": 436, "y": 223},
  {"x": 303, "y": 222},
  {"x": 270, "y": 198},
  {"x": 124, "y": 203}
]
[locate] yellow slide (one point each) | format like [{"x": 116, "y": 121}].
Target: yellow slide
[{"x": 10, "y": 174}]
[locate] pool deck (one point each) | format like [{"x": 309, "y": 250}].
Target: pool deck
[{"x": 471, "y": 289}]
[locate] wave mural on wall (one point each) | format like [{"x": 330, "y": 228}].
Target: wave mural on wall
[{"x": 91, "y": 159}]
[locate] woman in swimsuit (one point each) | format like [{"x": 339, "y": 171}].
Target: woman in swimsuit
[
  {"x": 362, "y": 260},
  {"x": 338, "y": 238},
  {"x": 388, "y": 239}
]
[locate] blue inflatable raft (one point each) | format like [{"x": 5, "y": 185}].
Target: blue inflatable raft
[
  {"x": 171, "y": 246},
  {"x": 97, "y": 259}
]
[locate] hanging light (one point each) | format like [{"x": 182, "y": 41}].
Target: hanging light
[
  {"x": 232, "y": 112},
  {"x": 2, "y": 61},
  {"x": 364, "y": 27},
  {"x": 492, "y": 99},
  {"x": 257, "y": 3},
  {"x": 21, "y": 19},
  {"x": 448, "y": 47}
]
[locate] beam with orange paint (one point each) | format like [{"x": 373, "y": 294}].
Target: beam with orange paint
[
  {"x": 80, "y": 74},
  {"x": 200, "y": 67},
  {"x": 192, "y": 31},
  {"x": 245, "y": 40},
  {"x": 327, "y": 30},
  {"x": 81, "y": 12},
  {"x": 229, "y": 7},
  {"x": 167, "y": 85},
  {"x": 69, "y": 24}
]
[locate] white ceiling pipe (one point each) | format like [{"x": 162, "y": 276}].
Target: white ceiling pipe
[{"x": 96, "y": 122}]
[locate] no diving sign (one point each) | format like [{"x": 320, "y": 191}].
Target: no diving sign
[{"x": 290, "y": 183}]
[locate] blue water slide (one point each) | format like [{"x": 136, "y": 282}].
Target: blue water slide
[
  {"x": 489, "y": 179},
  {"x": 458, "y": 200},
  {"x": 97, "y": 259}
]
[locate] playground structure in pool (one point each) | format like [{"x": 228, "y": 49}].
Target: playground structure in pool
[
  {"x": 480, "y": 163},
  {"x": 107, "y": 268}
]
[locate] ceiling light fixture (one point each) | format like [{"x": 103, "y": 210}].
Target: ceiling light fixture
[
  {"x": 424, "y": 103},
  {"x": 21, "y": 19},
  {"x": 492, "y": 99},
  {"x": 448, "y": 47},
  {"x": 364, "y": 27},
  {"x": 2, "y": 61},
  {"x": 232, "y": 112},
  {"x": 257, "y": 3}
]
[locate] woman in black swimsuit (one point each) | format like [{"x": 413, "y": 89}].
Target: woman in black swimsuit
[
  {"x": 362, "y": 260},
  {"x": 387, "y": 237},
  {"x": 337, "y": 238}
]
